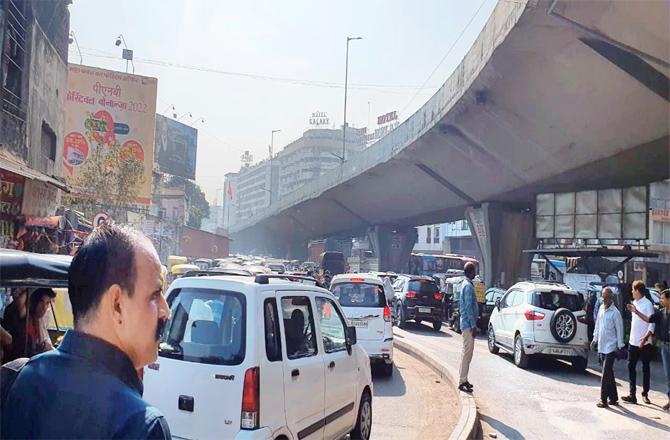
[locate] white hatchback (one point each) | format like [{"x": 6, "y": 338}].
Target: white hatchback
[
  {"x": 259, "y": 358},
  {"x": 540, "y": 319},
  {"x": 365, "y": 305}
]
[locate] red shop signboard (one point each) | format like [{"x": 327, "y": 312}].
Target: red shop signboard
[{"x": 11, "y": 200}]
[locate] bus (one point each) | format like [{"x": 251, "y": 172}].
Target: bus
[{"x": 424, "y": 264}]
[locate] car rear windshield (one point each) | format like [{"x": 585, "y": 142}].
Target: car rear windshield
[
  {"x": 359, "y": 295},
  {"x": 428, "y": 287},
  {"x": 207, "y": 326},
  {"x": 557, "y": 299}
]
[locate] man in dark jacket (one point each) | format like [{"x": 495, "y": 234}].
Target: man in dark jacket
[{"x": 89, "y": 386}]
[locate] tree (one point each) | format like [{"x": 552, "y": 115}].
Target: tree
[
  {"x": 108, "y": 180},
  {"x": 198, "y": 206}
]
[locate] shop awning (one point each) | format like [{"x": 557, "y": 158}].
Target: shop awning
[{"x": 12, "y": 165}]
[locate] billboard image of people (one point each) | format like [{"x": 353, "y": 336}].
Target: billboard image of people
[
  {"x": 176, "y": 147},
  {"x": 109, "y": 112}
]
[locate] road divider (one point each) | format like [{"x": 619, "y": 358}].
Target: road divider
[{"x": 466, "y": 428}]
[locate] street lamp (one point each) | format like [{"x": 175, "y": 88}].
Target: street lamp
[
  {"x": 272, "y": 143},
  {"x": 127, "y": 54},
  {"x": 346, "y": 83}
]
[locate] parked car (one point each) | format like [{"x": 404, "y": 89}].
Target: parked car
[
  {"x": 418, "y": 298},
  {"x": 492, "y": 295},
  {"x": 259, "y": 358},
  {"x": 365, "y": 306},
  {"x": 540, "y": 318}
]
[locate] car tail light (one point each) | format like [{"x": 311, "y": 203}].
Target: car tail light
[
  {"x": 438, "y": 296},
  {"x": 357, "y": 280},
  {"x": 387, "y": 313},
  {"x": 411, "y": 294},
  {"x": 532, "y": 315},
  {"x": 583, "y": 319},
  {"x": 251, "y": 399}
]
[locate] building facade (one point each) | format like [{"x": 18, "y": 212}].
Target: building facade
[
  {"x": 33, "y": 84},
  {"x": 447, "y": 238}
]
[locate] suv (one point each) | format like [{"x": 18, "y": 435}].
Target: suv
[
  {"x": 259, "y": 358},
  {"x": 362, "y": 299},
  {"x": 540, "y": 319},
  {"x": 417, "y": 297}
]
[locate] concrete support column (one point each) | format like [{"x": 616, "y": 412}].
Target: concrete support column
[
  {"x": 392, "y": 245},
  {"x": 502, "y": 232}
]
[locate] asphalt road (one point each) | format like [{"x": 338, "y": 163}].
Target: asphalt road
[
  {"x": 549, "y": 400},
  {"x": 413, "y": 404}
]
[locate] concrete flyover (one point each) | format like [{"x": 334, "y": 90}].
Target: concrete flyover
[{"x": 552, "y": 96}]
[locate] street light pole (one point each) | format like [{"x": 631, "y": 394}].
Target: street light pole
[{"x": 346, "y": 83}]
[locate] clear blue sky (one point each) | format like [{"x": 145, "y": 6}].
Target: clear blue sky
[{"x": 402, "y": 43}]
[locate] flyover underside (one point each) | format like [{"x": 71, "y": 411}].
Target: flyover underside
[{"x": 556, "y": 107}]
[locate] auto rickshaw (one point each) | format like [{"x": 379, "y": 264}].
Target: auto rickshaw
[
  {"x": 204, "y": 263},
  {"x": 178, "y": 270},
  {"x": 175, "y": 259},
  {"x": 27, "y": 270}
]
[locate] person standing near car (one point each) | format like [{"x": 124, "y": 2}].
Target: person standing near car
[
  {"x": 661, "y": 319},
  {"x": 89, "y": 387},
  {"x": 469, "y": 312},
  {"x": 608, "y": 334},
  {"x": 640, "y": 347}
]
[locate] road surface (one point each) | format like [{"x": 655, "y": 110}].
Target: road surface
[
  {"x": 549, "y": 400},
  {"x": 413, "y": 404}
]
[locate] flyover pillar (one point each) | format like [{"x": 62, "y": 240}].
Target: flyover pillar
[
  {"x": 502, "y": 233},
  {"x": 392, "y": 246}
]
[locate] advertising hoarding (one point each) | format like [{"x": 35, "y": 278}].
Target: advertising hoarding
[
  {"x": 176, "y": 147},
  {"x": 105, "y": 109}
]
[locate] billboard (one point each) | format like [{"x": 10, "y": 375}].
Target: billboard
[
  {"x": 104, "y": 110},
  {"x": 608, "y": 214},
  {"x": 176, "y": 146}
]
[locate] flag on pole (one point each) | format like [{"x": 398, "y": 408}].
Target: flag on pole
[{"x": 230, "y": 191}]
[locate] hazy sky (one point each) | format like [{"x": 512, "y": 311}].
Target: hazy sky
[{"x": 243, "y": 56}]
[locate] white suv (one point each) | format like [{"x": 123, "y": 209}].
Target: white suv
[
  {"x": 538, "y": 318},
  {"x": 365, "y": 305},
  {"x": 259, "y": 358}
]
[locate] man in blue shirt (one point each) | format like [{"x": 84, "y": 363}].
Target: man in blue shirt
[
  {"x": 89, "y": 386},
  {"x": 469, "y": 311}
]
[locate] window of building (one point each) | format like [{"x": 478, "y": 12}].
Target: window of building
[
  {"x": 436, "y": 237},
  {"x": 14, "y": 58},
  {"x": 428, "y": 235},
  {"x": 464, "y": 225},
  {"x": 48, "y": 142}
]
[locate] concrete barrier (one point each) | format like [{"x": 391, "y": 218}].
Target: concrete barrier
[{"x": 466, "y": 428}]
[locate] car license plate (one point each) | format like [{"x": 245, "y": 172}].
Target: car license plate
[
  {"x": 424, "y": 309},
  {"x": 359, "y": 323},
  {"x": 561, "y": 351}
]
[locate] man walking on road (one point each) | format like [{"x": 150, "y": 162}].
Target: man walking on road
[
  {"x": 662, "y": 332},
  {"x": 608, "y": 334},
  {"x": 469, "y": 312},
  {"x": 640, "y": 347}
]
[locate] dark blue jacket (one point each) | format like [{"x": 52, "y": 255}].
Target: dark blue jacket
[{"x": 87, "y": 388}]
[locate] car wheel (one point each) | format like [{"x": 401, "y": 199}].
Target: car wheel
[
  {"x": 387, "y": 370},
  {"x": 580, "y": 364},
  {"x": 402, "y": 322},
  {"x": 437, "y": 325},
  {"x": 363, "y": 426},
  {"x": 563, "y": 325},
  {"x": 520, "y": 357},
  {"x": 493, "y": 348}
]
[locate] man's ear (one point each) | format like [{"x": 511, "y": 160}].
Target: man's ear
[{"x": 111, "y": 303}]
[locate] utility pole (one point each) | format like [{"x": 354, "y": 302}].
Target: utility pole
[{"x": 346, "y": 83}]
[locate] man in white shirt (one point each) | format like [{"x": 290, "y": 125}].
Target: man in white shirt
[
  {"x": 640, "y": 347},
  {"x": 608, "y": 334}
]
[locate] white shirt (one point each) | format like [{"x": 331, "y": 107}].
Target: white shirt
[
  {"x": 609, "y": 329},
  {"x": 639, "y": 328}
]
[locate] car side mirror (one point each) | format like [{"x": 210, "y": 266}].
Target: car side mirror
[
  {"x": 498, "y": 304},
  {"x": 351, "y": 336}
]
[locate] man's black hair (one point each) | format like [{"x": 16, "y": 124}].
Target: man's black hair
[
  {"x": 37, "y": 296},
  {"x": 470, "y": 269},
  {"x": 107, "y": 257}
]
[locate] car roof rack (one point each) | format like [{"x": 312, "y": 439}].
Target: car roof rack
[
  {"x": 217, "y": 272},
  {"x": 264, "y": 278}
]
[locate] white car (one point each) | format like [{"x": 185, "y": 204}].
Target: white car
[
  {"x": 259, "y": 358},
  {"x": 365, "y": 305},
  {"x": 540, "y": 318}
]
